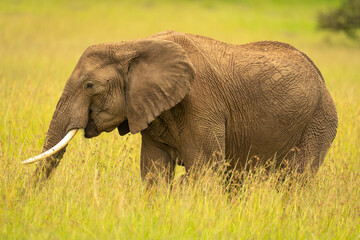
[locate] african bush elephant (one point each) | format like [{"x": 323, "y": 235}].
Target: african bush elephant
[{"x": 190, "y": 96}]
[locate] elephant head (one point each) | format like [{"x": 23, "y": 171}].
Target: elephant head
[{"x": 122, "y": 85}]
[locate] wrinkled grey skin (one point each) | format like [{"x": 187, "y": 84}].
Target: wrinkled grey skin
[{"x": 190, "y": 96}]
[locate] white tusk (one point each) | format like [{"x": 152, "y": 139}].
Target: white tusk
[{"x": 54, "y": 149}]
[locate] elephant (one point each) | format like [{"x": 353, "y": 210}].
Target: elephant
[{"x": 191, "y": 96}]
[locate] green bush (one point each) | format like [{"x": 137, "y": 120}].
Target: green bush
[{"x": 346, "y": 18}]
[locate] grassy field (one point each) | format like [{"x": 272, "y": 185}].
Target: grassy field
[{"x": 96, "y": 192}]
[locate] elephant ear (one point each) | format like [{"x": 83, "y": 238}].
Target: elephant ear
[{"x": 159, "y": 76}]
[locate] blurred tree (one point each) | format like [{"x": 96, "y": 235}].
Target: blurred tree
[{"x": 345, "y": 18}]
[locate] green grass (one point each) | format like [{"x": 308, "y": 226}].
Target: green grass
[{"x": 96, "y": 192}]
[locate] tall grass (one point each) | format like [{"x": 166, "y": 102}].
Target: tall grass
[{"x": 96, "y": 191}]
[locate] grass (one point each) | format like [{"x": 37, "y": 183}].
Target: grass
[{"x": 96, "y": 192}]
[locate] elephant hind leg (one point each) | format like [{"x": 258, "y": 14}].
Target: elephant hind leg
[{"x": 317, "y": 137}]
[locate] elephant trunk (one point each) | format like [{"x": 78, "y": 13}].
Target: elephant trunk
[
  {"x": 62, "y": 144},
  {"x": 57, "y": 138}
]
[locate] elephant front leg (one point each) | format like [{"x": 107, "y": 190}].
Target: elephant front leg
[
  {"x": 155, "y": 161},
  {"x": 204, "y": 149}
]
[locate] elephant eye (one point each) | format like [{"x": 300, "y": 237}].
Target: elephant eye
[{"x": 89, "y": 85}]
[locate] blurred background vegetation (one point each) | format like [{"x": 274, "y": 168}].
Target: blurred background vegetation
[{"x": 345, "y": 18}]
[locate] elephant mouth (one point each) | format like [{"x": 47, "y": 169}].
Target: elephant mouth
[{"x": 91, "y": 130}]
